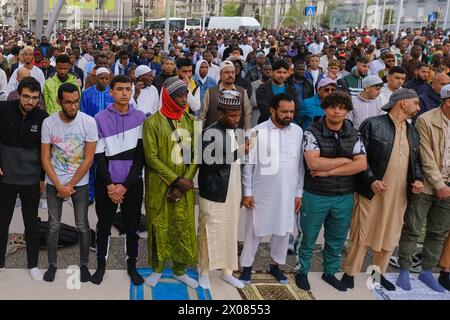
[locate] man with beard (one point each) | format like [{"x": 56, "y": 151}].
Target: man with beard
[
  {"x": 334, "y": 154},
  {"x": 411, "y": 65},
  {"x": 145, "y": 94},
  {"x": 209, "y": 110},
  {"x": 61, "y": 76},
  {"x": 278, "y": 85},
  {"x": 20, "y": 168},
  {"x": 393, "y": 175},
  {"x": 272, "y": 192},
  {"x": 420, "y": 83},
  {"x": 67, "y": 152}
]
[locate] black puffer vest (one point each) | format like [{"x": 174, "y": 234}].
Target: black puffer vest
[{"x": 332, "y": 146}]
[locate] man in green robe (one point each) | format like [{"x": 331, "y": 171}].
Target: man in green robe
[{"x": 168, "y": 138}]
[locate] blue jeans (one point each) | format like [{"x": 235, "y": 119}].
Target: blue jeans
[{"x": 80, "y": 200}]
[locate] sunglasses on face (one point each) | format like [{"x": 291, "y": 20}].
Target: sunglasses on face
[{"x": 327, "y": 90}]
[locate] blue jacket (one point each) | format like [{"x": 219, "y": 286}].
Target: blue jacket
[
  {"x": 428, "y": 100},
  {"x": 310, "y": 78},
  {"x": 417, "y": 85},
  {"x": 208, "y": 83},
  {"x": 309, "y": 110}
]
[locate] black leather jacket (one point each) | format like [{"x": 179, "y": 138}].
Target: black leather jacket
[
  {"x": 378, "y": 135},
  {"x": 213, "y": 179}
]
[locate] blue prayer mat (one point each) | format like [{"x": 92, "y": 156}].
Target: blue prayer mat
[{"x": 168, "y": 288}]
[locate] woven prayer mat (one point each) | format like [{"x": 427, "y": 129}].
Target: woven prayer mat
[
  {"x": 168, "y": 288},
  {"x": 420, "y": 291},
  {"x": 265, "y": 287}
]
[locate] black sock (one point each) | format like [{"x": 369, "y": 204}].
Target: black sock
[
  {"x": 301, "y": 280},
  {"x": 135, "y": 277},
  {"x": 246, "y": 274},
  {"x": 274, "y": 270},
  {"x": 49, "y": 275},
  {"x": 334, "y": 282},
  {"x": 349, "y": 281},
  {"x": 85, "y": 275},
  {"x": 444, "y": 280},
  {"x": 97, "y": 277},
  {"x": 389, "y": 286}
]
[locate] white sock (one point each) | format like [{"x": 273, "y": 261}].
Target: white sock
[
  {"x": 192, "y": 283},
  {"x": 36, "y": 274},
  {"x": 152, "y": 281},
  {"x": 233, "y": 281},
  {"x": 3, "y": 268},
  {"x": 203, "y": 281}
]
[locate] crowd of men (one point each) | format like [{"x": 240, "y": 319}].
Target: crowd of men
[{"x": 346, "y": 130}]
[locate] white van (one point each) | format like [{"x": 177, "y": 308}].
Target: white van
[{"x": 234, "y": 23}]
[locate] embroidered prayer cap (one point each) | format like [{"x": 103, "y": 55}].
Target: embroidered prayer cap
[
  {"x": 175, "y": 86},
  {"x": 229, "y": 100}
]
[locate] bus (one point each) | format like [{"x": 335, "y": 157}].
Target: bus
[{"x": 174, "y": 24}]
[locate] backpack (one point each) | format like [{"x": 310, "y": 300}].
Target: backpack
[
  {"x": 68, "y": 235},
  {"x": 119, "y": 223}
]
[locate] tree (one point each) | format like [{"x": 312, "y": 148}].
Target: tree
[
  {"x": 295, "y": 16},
  {"x": 230, "y": 9},
  {"x": 326, "y": 16}
]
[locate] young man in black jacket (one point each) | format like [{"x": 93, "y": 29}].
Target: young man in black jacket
[
  {"x": 220, "y": 193},
  {"x": 20, "y": 167}
]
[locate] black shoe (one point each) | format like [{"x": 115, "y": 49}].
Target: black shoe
[
  {"x": 135, "y": 277},
  {"x": 49, "y": 275},
  {"x": 246, "y": 275},
  {"x": 334, "y": 282},
  {"x": 274, "y": 270},
  {"x": 444, "y": 280},
  {"x": 97, "y": 277},
  {"x": 301, "y": 280},
  {"x": 349, "y": 281},
  {"x": 85, "y": 275},
  {"x": 389, "y": 286}
]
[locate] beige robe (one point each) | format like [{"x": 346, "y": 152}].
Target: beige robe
[
  {"x": 218, "y": 226},
  {"x": 378, "y": 223}
]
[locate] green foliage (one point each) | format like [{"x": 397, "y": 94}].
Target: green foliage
[
  {"x": 230, "y": 9},
  {"x": 326, "y": 16}
]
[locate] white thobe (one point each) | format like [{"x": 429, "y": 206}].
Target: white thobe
[
  {"x": 274, "y": 176},
  {"x": 148, "y": 100}
]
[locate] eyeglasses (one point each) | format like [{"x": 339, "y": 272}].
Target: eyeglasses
[
  {"x": 70, "y": 103},
  {"x": 28, "y": 98}
]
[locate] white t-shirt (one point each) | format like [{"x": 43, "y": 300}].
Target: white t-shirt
[{"x": 67, "y": 144}]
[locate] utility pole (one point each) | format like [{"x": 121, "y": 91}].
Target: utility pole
[
  {"x": 277, "y": 14},
  {"x": 39, "y": 18},
  {"x": 204, "y": 16},
  {"x": 363, "y": 18},
  {"x": 383, "y": 15},
  {"x": 399, "y": 17},
  {"x": 167, "y": 25}
]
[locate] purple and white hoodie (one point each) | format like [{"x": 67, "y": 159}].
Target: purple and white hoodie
[{"x": 119, "y": 154}]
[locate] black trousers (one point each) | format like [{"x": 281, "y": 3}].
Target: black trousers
[
  {"x": 131, "y": 212},
  {"x": 29, "y": 196}
]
